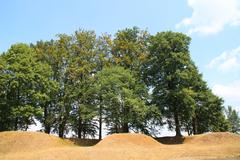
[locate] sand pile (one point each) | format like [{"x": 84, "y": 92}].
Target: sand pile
[
  {"x": 128, "y": 140},
  {"x": 13, "y": 141},
  {"x": 214, "y": 139},
  {"x": 40, "y": 146}
]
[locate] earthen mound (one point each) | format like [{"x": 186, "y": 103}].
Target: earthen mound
[
  {"x": 128, "y": 140},
  {"x": 215, "y": 138},
  {"x": 17, "y": 141}
]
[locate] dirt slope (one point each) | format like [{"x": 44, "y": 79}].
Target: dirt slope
[
  {"x": 128, "y": 140},
  {"x": 40, "y": 146},
  {"x": 217, "y": 138},
  {"x": 11, "y": 142}
]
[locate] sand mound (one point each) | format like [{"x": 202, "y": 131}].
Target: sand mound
[
  {"x": 40, "y": 146},
  {"x": 128, "y": 140},
  {"x": 16, "y": 141},
  {"x": 213, "y": 139}
]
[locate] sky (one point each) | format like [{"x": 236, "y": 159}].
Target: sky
[{"x": 213, "y": 25}]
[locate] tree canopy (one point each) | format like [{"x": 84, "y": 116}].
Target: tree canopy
[{"x": 131, "y": 82}]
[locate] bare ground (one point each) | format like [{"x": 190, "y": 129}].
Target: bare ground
[{"x": 39, "y": 146}]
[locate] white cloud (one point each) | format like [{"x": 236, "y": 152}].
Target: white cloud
[
  {"x": 211, "y": 16},
  {"x": 229, "y": 92},
  {"x": 227, "y": 61}
]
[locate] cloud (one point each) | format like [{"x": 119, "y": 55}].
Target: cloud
[
  {"x": 229, "y": 92},
  {"x": 227, "y": 61},
  {"x": 211, "y": 16}
]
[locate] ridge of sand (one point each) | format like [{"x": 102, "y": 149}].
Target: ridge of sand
[
  {"x": 214, "y": 138},
  {"x": 40, "y": 146},
  {"x": 128, "y": 140},
  {"x": 18, "y": 141}
]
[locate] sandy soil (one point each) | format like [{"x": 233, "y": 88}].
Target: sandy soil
[{"x": 39, "y": 146}]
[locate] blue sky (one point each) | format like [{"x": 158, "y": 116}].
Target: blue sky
[{"x": 213, "y": 25}]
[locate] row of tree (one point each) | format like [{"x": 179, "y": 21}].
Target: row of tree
[{"x": 131, "y": 82}]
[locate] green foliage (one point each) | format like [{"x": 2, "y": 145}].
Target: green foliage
[
  {"x": 233, "y": 120},
  {"x": 178, "y": 88},
  {"x": 205, "y": 102},
  {"x": 81, "y": 67},
  {"x": 73, "y": 61},
  {"x": 25, "y": 82},
  {"x": 129, "y": 48},
  {"x": 210, "y": 122},
  {"x": 130, "y": 82},
  {"x": 25, "y": 115},
  {"x": 170, "y": 72},
  {"x": 123, "y": 99},
  {"x": 56, "y": 109}
]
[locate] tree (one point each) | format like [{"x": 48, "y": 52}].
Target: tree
[
  {"x": 233, "y": 119},
  {"x": 80, "y": 81},
  {"x": 72, "y": 60},
  {"x": 26, "y": 85},
  {"x": 205, "y": 102},
  {"x": 122, "y": 99},
  {"x": 82, "y": 66},
  {"x": 56, "y": 54},
  {"x": 130, "y": 48},
  {"x": 103, "y": 54},
  {"x": 170, "y": 71},
  {"x": 6, "y": 117},
  {"x": 203, "y": 121}
]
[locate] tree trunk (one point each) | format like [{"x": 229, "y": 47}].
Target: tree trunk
[
  {"x": 100, "y": 127},
  {"x": 100, "y": 119},
  {"x": 177, "y": 125},
  {"x": 26, "y": 128},
  {"x": 194, "y": 126},
  {"x": 16, "y": 124},
  {"x": 18, "y": 104},
  {"x": 125, "y": 109},
  {"x": 189, "y": 130},
  {"x": 47, "y": 127},
  {"x": 84, "y": 133},
  {"x": 61, "y": 130},
  {"x": 116, "y": 128},
  {"x": 125, "y": 128},
  {"x": 79, "y": 127}
]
